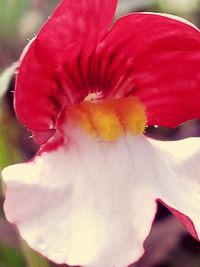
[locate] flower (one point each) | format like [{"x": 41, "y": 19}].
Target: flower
[{"x": 87, "y": 92}]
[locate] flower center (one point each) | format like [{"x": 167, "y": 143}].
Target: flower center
[{"x": 110, "y": 119}]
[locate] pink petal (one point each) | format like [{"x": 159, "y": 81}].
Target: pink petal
[
  {"x": 74, "y": 25},
  {"x": 163, "y": 59}
]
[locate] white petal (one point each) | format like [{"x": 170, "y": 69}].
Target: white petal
[
  {"x": 85, "y": 203},
  {"x": 92, "y": 203},
  {"x": 180, "y": 190}
]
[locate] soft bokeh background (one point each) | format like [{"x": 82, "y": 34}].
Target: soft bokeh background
[{"x": 168, "y": 244}]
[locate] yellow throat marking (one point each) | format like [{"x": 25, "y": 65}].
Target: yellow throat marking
[{"x": 110, "y": 119}]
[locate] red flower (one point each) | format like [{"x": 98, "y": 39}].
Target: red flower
[{"x": 87, "y": 92}]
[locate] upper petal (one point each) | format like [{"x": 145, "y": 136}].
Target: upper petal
[
  {"x": 74, "y": 24},
  {"x": 41, "y": 91},
  {"x": 169, "y": 85},
  {"x": 138, "y": 33},
  {"x": 38, "y": 98},
  {"x": 163, "y": 58},
  {"x": 157, "y": 60}
]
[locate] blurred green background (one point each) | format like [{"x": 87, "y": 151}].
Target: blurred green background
[{"x": 168, "y": 244}]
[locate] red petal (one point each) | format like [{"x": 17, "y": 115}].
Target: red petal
[
  {"x": 37, "y": 95},
  {"x": 73, "y": 25},
  {"x": 139, "y": 34},
  {"x": 157, "y": 60},
  {"x": 163, "y": 61},
  {"x": 169, "y": 85}
]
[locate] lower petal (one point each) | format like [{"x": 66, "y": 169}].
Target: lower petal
[
  {"x": 92, "y": 203},
  {"x": 180, "y": 191},
  {"x": 78, "y": 205}
]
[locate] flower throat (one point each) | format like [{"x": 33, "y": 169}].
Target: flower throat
[{"x": 108, "y": 120}]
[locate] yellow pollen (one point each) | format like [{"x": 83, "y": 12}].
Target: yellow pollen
[{"x": 108, "y": 120}]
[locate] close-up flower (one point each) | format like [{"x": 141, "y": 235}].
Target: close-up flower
[{"x": 87, "y": 88}]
